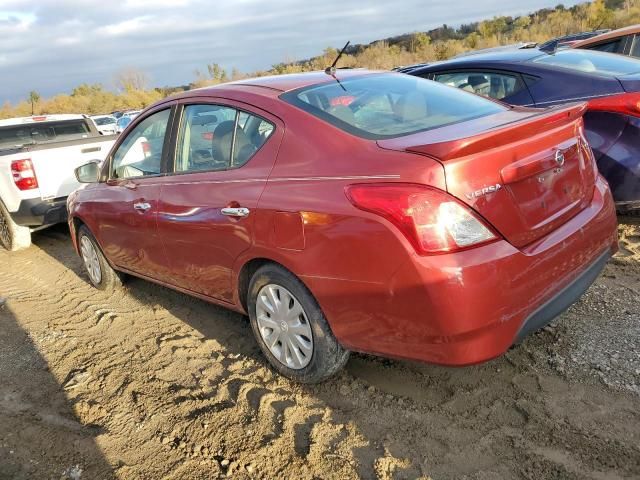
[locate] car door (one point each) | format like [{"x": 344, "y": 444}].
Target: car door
[
  {"x": 127, "y": 204},
  {"x": 508, "y": 87},
  {"x": 223, "y": 154}
]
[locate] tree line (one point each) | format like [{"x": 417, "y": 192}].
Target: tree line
[{"x": 133, "y": 90}]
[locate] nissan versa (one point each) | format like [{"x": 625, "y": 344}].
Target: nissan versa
[{"x": 359, "y": 211}]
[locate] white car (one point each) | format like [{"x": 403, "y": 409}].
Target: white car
[
  {"x": 106, "y": 124},
  {"x": 38, "y": 158}
]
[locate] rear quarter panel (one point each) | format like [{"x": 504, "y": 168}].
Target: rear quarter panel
[{"x": 55, "y": 166}]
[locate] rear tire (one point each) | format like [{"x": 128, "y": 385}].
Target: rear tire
[
  {"x": 100, "y": 273},
  {"x": 12, "y": 236},
  {"x": 290, "y": 327}
]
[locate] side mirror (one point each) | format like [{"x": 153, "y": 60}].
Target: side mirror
[{"x": 88, "y": 173}]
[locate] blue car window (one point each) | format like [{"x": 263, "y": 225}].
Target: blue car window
[
  {"x": 489, "y": 84},
  {"x": 590, "y": 61}
]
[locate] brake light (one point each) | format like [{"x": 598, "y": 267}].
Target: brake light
[
  {"x": 24, "y": 176},
  {"x": 39, "y": 119},
  {"x": 344, "y": 100},
  {"x": 432, "y": 220},
  {"x": 207, "y": 136},
  {"x": 626, "y": 103},
  {"x": 146, "y": 149}
]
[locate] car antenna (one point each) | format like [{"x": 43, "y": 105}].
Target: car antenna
[{"x": 332, "y": 69}]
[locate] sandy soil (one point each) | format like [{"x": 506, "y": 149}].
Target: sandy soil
[{"x": 149, "y": 383}]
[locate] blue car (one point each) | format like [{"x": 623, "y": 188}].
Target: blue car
[{"x": 534, "y": 78}]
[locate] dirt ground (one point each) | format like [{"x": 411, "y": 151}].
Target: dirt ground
[{"x": 149, "y": 383}]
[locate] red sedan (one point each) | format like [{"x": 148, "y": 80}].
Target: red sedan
[{"x": 371, "y": 212}]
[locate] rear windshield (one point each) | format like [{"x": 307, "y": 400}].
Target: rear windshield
[
  {"x": 590, "y": 61},
  {"x": 390, "y": 105},
  {"x": 16, "y": 136}
]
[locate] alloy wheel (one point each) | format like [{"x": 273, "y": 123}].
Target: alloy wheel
[
  {"x": 91, "y": 261},
  {"x": 284, "y": 326}
]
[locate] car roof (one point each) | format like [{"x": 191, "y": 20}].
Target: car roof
[
  {"x": 513, "y": 55},
  {"x": 609, "y": 35},
  {"x": 284, "y": 83}
]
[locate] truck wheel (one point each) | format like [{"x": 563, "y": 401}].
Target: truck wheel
[
  {"x": 12, "y": 236},
  {"x": 290, "y": 327},
  {"x": 100, "y": 273}
]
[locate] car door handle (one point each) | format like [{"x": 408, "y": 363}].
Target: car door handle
[
  {"x": 141, "y": 206},
  {"x": 235, "y": 211}
]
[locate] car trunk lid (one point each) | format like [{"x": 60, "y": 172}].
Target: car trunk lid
[{"x": 526, "y": 171}]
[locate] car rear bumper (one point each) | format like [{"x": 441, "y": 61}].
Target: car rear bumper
[
  {"x": 471, "y": 306},
  {"x": 37, "y": 212}
]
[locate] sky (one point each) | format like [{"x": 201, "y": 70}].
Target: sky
[{"x": 53, "y": 45}]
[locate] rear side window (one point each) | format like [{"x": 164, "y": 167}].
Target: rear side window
[
  {"x": 389, "y": 105},
  {"x": 591, "y": 61},
  {"x": 489, "y": 84},
  {"x": 30, "y": 133},
  {"x": 610, "y": 47},
  {"x": 217, "y": 137}
]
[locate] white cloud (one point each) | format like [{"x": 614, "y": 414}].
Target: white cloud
[
  {"x": 156, "y": 3},
  {"x": 53, "y": 45},
  {"x": 125, "y": 27}
]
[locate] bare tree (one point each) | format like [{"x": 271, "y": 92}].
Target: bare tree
[{"x": 129, "y": 79}]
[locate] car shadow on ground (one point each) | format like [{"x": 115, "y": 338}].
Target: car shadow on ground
[{"x": 40, "y": 434}]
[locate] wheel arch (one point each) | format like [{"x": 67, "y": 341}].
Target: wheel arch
[{"x": 249, "y": 268}]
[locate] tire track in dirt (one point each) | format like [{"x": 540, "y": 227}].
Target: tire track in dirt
[{"x": 177, "y": 388}]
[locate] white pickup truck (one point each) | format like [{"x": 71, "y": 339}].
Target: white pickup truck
[{"x": 38, "y": 156}]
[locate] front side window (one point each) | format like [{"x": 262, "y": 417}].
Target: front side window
[
  {"x": 591, "y": 61},
  {"x": 140, "y": 154},
  {"x": 217, "y": 137},
  {"x": 389, "y": 105},
  {"x": 489, "y": 84}
]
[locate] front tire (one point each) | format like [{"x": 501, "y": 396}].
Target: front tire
[
  {"x": 12, "y": 236},
  {"x": 100, "y": 273},
  {"x": 290, "y": 327}
]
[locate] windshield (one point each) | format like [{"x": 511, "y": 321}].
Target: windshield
[
  {"x": 390, "y": 105},
  {"x": 16, "y": 136},
  {"x": 590, "y": 61},
  {"x": 104, "y": 121}
]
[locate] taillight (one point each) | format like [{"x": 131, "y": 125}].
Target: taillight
[
  {"x": 432, "y": 220},
  {"x": 24, "y": 176},
  {"x": 626, "y": 103}
]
